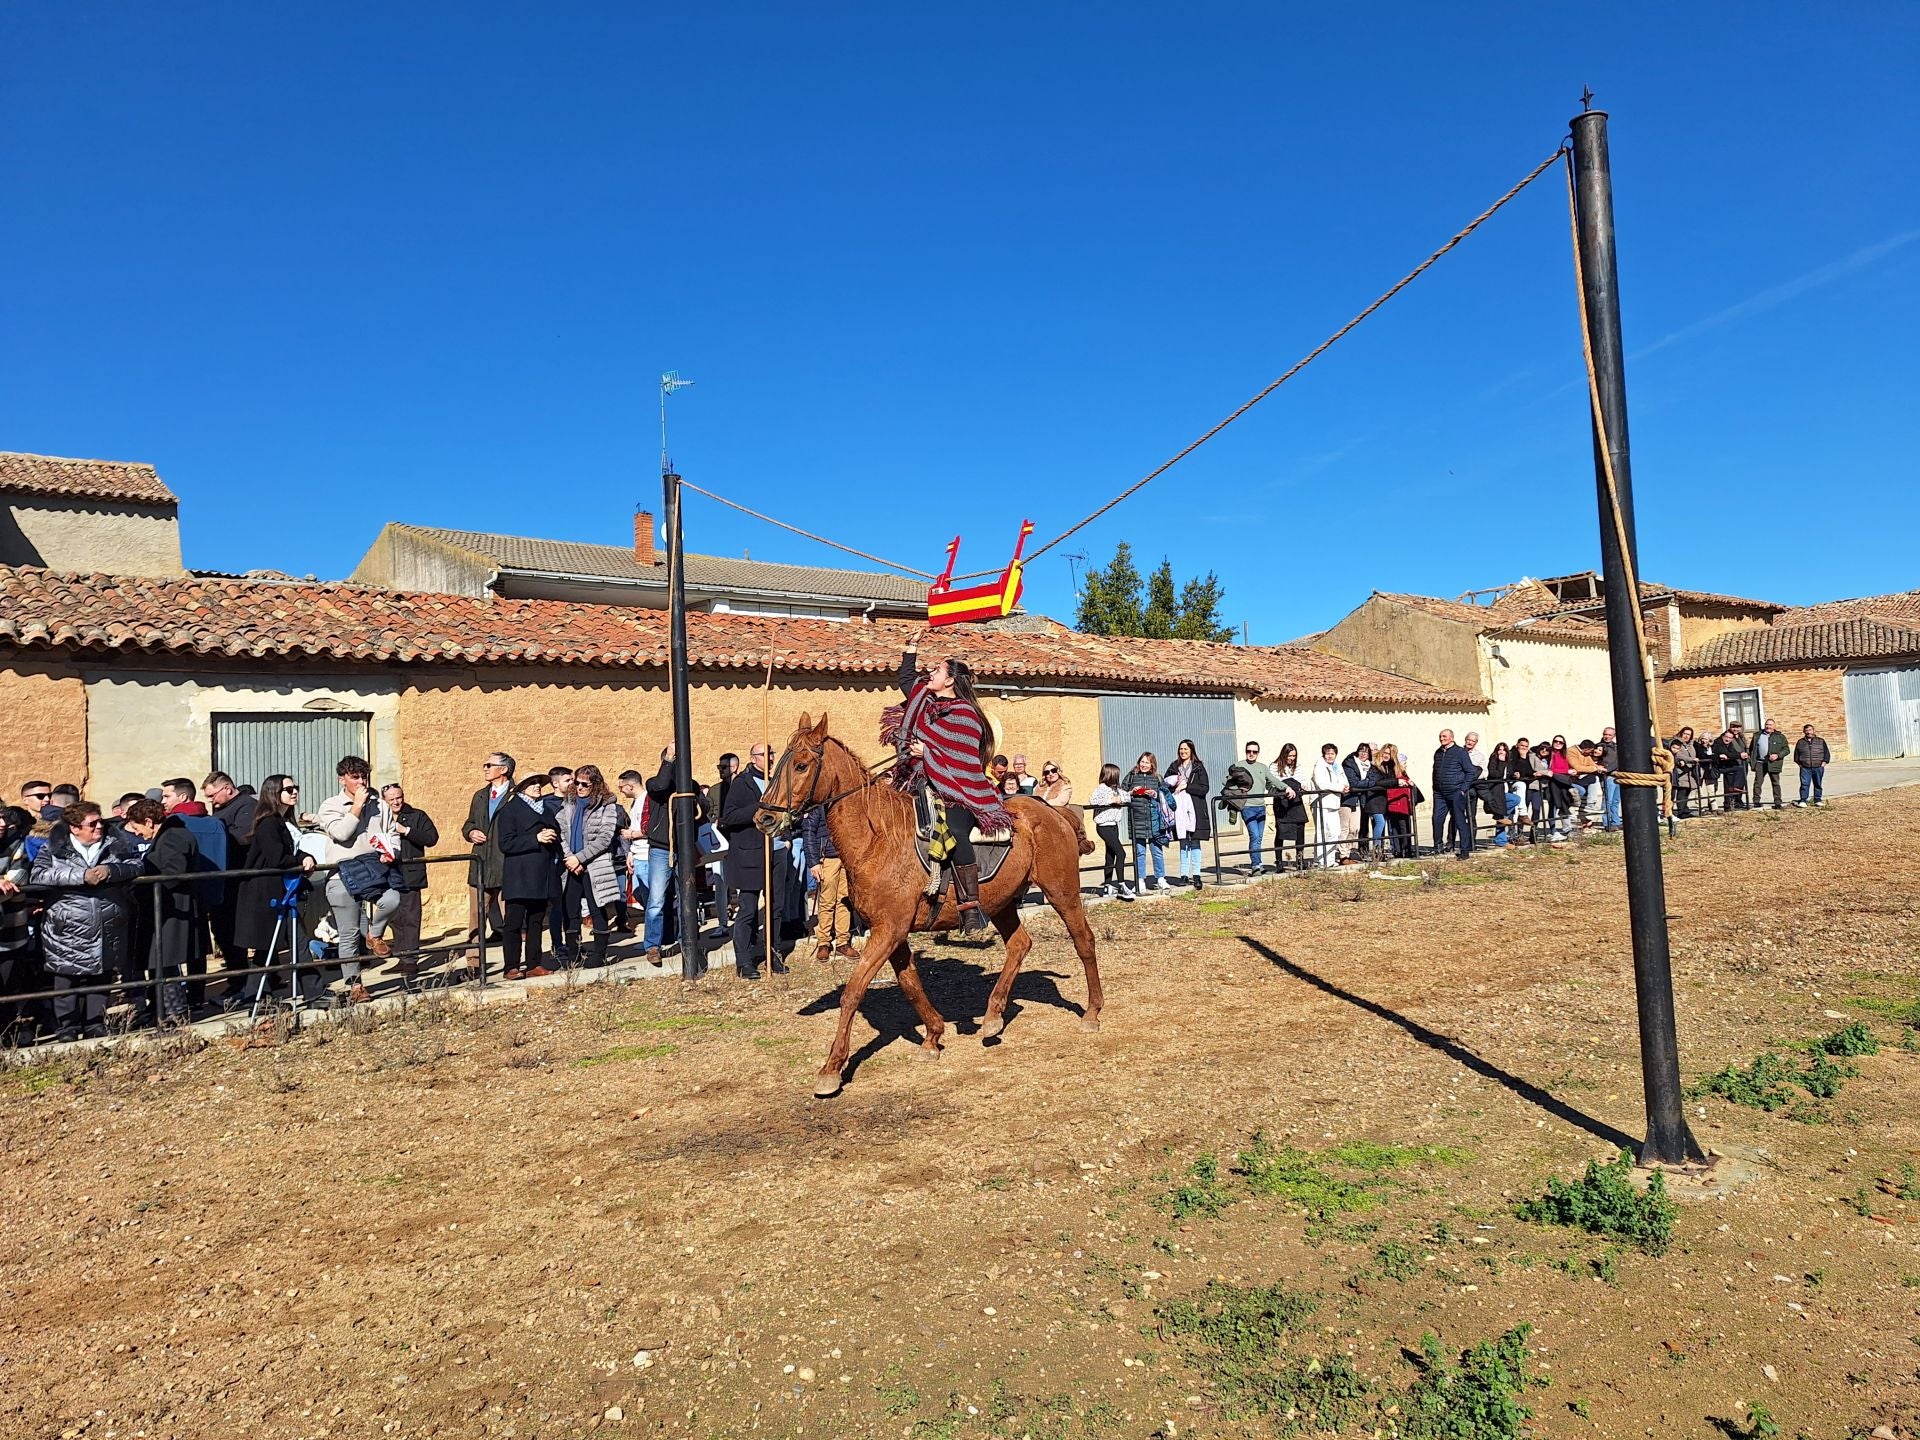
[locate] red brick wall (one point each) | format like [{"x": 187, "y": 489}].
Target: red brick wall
[
  {"x": 1789, "y": 698},
  {"x": 46, "y": 726}
]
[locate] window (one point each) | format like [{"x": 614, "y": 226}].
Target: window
[
  {"x": 791, "y": 610},
  {"x": 1743, "y": 706}
]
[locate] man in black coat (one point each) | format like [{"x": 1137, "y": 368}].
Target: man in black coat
[
  {"x": 484, "y": 871},
  {"x": 1730, "y": 758},
  {"x": 233, "y": 806},
  {"x": 1454, "y": 774},
  {"x": 744, "y": 870},
  {"x": 418, "y": 834},
  {"x": 729, "y": 766},
  {"x": 169, "y": 935}
]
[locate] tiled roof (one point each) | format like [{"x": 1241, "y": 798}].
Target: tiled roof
[
  {"x": 200, "y": 616},
  {"x": 1901, "y": 607},
  {"x": 1283, "y": 673},
  {"x": 716, "y": 572},
  {"x": 1500, "y": 617},
  {"x": 122, "y": 480},
  {"x": 1833, "y": 642},
  {"x": 1651, "y": 593}
]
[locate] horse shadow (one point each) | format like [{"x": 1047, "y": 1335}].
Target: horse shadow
[{"x": 959, "y": 989}]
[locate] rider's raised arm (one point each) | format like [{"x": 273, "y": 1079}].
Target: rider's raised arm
[{"x": 909, "y": 669}]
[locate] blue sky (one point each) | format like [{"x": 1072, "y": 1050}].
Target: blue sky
[{"x": 937, "y": 268}]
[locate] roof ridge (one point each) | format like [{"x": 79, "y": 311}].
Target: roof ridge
[{"x": 73, "y": 459}]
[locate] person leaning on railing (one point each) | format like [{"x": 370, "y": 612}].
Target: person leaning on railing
[
  {"x": 16, "y": 921},
  {"x": 85, "y": 931},
  {"x": 272, "y": 843}
]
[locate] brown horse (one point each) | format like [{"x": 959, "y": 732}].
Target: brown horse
[{"x": 872, "y": 825}]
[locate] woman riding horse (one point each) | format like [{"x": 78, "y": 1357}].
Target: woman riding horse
[{"x": 943, "y": 737}]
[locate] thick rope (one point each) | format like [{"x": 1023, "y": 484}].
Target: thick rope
[
  {"x": 1311, "y": 356},
  {"x": 808, "y": 534},
  {"x": 1615, "y": 513}
]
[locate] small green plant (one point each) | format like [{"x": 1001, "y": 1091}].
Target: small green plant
[
  {"x": 1760, "y": 1425},
  {"x": 1477, "y": 1397},
  {"x": 1765, "y": 1084},
  {"x": 1909, "y": 1182},
  {"x": 1861, "y": 1203},
  {"x": 1293, "y": 1175},
  {"x": 1201, "y": 1192},
  {"x": 1396, "y": 1261},
  {"x": 1581, "y": 1408},
  {"x": 1824, "y": 1076},
  {"x": 1604, "y": 1201},
  {"x": 1853, "y": 1038},
  {"x": 1910, "y": 1040},
  {"x": 1235, "y": 1334}
]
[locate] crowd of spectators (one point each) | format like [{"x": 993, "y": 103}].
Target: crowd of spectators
[{"x": 559, "y": 863}]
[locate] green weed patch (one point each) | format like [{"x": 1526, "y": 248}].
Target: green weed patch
[
  {"x": 31, "y": 1079},
  {"x": 1604, "y": 1201},
  {"x": 1295, "y": 1176},
  {"x": 1477, "y": 1397},
  {"x": 1200, "y": 1193},
  {"x": 620, "y": 1053},
  {"x": 1853, "y": 1038}
]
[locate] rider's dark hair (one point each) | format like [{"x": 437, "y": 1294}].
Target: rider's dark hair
[{"x": 962, "y": 675}]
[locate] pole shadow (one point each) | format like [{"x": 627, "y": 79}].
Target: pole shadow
[{"x": 1453, "y": 1050}]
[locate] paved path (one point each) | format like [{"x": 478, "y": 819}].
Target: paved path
[{"x": 1857, "y": 777}]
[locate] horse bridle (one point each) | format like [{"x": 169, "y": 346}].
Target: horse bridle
[{"x": 813, "y": 785}]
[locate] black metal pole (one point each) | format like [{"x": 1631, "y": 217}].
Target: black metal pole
[
  {"x": 1668, "y": 1141},
  {"x": 685, "y": 815}
]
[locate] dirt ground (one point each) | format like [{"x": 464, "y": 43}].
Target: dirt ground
[{"x": 619, "y": 1209}]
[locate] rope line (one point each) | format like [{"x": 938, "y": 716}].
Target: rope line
[
  {"x": 1614, "y": 512},
  {"x": 1314, "y": 354},
  {"x": 1159, "y": 470},
  {"x": 808, "y": 534}
]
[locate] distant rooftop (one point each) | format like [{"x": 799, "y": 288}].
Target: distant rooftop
[{"x": 127, "y": 481}]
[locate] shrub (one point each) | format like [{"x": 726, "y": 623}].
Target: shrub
[
  {"x": 1853, "y": 1038},
  {"x": 1478, "y": 1398},
  {"x": 1604, "y": 1201},
  {"x": 1200, "y": 1193}
]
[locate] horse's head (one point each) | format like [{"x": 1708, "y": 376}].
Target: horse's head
[{"x": 799, "y": 781}]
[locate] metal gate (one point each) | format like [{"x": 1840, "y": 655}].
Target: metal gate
[
  {"x": 1883, "y": 713},
  {"x": 1130, "y": 724},
  {"x": 307, "y": 747}
]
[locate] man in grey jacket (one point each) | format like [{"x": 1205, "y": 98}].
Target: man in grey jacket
[
  {"x": 1768, "y": 756},
  {"x": 1254, "y": 809}
]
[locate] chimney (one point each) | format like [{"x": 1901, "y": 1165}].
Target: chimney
[{"x": 643, "y": 537}]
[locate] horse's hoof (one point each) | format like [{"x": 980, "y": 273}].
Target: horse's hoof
[
  {"x": 825, "y": 1085},
  {"x": 927, "y": 1052},
  {"x": 1090, "y": 1024},
  {"x": 992, "y": 1026}
]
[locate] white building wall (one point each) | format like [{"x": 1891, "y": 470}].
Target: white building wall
[
  {"x": 1414, "y": 730},
  {"x": 1543, "y": 688}
]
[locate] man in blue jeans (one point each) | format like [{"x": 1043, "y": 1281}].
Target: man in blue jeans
[
  {"x": 1811, "y": 754},
  {"x": 1454, "y": 774},
  {"x": 1254, "y": 809},
  {"x": 662, "y": 843},
  {"x": 1609, "y": 757}
]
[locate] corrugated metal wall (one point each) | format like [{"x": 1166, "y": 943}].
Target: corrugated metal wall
[
  {"x": 1883, "y": 713},
  {"x": 1132, "y": 723},
  {"x": 307, "y": 747}
]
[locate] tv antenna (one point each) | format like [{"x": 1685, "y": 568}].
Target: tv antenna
[
  {"x": 1075, "y": 559},
  {"x": 669, "y": 383}
]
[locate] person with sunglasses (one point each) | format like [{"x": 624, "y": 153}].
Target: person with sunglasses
[
  {"x": 588, "y": 824},
  {"x": 1054, "y": 787},
  {"x": 485, "y": 870},
  {"x": 86, "y": 929},
  {"x": 271, "y": 843}
]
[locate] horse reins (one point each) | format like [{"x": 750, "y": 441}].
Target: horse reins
[{"x": 813, "y": 785}]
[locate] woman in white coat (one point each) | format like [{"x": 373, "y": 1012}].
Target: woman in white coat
[{"x": 1328, "y": 777}]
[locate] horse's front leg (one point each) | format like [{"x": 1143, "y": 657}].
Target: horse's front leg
[{"x": 881, "y": 943}]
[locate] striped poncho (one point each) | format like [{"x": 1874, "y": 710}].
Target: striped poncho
[{"x": 952, "y": 731}]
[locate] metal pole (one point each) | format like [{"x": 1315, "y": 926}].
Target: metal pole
[
  {"x": 685, "y": 814},
  {"x": 1668, "y": 1141}
]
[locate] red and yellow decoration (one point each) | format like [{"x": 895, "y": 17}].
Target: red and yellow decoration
[{"x": 986, "y": 601}]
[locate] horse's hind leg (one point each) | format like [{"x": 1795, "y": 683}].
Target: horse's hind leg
[
  {"x": 1019, "y": 946},
  {"x": 916, "y": 992},
  {"x": 1064, "y": 896}
]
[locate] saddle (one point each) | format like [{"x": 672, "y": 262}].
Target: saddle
[{"x": 990, "y": 855}]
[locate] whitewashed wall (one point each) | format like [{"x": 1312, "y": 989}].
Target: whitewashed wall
[{"x": 1542, "y": 688}]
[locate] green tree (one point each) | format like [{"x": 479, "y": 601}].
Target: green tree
[
  {"x": 1162, "y": 610},
  {"x": 1110, "y": 601},
  {"x": 1114, "y": 600},
  {"x": 1200, "y": 611}
]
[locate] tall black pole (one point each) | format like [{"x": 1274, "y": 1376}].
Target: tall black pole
[
  {"x": 685, "y": 814},
  {"x": 1668, "y": 1141}
]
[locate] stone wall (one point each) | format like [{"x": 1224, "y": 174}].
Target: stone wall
[
  {"x": 90, "y": 536},
  {"x": 1789, "y": 698},
  {"x": 45, "y": 706},
  {"x": 1404, "y": 641}
]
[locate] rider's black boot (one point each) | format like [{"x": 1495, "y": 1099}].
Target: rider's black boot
[{"x": 966, "y": 893}]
